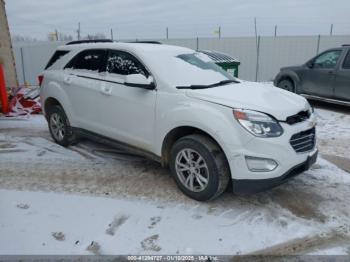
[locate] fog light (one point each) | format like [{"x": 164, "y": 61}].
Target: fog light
[{"x": 257, "y": 164}]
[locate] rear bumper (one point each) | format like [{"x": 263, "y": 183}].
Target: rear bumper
[{"x": 251, "y": 186}]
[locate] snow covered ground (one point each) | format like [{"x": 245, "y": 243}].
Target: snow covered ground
[{"x": 89, "y": 199}]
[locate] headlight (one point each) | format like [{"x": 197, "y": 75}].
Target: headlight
[{"x": 259, "y": 124}]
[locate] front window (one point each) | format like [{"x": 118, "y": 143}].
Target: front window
[
  {"x": 122, "y": 63},
  {"x": 327, "y": 60}
]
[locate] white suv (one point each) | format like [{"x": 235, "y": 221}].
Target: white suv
[{"x": 176, "y": 106}]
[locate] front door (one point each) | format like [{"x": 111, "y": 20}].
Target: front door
[{"x": 318, "y": 77}]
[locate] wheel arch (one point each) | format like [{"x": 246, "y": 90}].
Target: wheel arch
[
  {"x": 178, "y": 132},
  {"x": 291, "y": 76},
  {"x": 51, "y": 101}
]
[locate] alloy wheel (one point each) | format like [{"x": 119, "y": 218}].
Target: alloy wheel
[
  {"x": 57, "y": 126},
  {"x": 286, "y": 85},
  {"x": 192, "y": 170}
]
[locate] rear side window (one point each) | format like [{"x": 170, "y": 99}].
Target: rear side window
[
  {"x": 346, "y": 63},
  {"x": 92, "y": 60},
  {"x": 57, "y": 55},
  {"x": 123, "y": 63}
]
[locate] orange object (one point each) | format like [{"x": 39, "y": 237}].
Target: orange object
[{"x": 3, "y": 91}]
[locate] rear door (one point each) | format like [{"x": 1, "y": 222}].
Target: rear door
[
  {"x": 82, "y": 83},
  {"x": 128, "y": 112},
  {"x": 342, "y": 80},
  {"x": 317, "y": 79}
]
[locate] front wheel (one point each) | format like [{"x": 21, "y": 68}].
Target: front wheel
[
  {"x": 199, "y": 167},
  {"x": 287, "y": 85}
]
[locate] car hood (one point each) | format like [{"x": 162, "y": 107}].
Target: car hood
[
  {"x": 286, "y": 68},
  {"x": 254, "y": 96}
]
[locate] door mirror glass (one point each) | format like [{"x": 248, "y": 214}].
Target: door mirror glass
[{"x": 139, "y": 80}]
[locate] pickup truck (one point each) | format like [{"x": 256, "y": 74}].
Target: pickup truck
[{"x": 325, "y": 77}]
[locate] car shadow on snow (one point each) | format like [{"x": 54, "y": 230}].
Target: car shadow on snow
[{"x": 330, "y": 107}]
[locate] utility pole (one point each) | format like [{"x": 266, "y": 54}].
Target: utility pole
[
  {"x": 219, "y": 32},
  {"x": 78, "y": 31},
  {"x": 275, "y": 30},
  {"x": 257, "y": 42},
  {"x": 56, "y": 34},
  {"x": 112, "y": 34},
  {"x": 167, "y": 33},
  {"x": 256, "y": 33},
  {"x": 257, "y": 59},
  {"x": 331, "y": 32}
]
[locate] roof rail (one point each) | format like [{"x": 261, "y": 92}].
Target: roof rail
[
  {"x": 346, "y": 45},
  {"x": 90, "y": 41},
  {"x": 146, "y": 42}
]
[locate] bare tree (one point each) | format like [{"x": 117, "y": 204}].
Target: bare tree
[
  {"x": 51, "y": 37},
  {"x": 95, "y": 36},
  {"x": 20, "y": 38},
  {"x": 64, "y": 37}
]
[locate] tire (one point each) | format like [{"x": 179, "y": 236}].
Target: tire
[
  {"x": 287, "y": 85},
  {"x": 59, "y": 126},
  {"x": 212, "y": 166}
]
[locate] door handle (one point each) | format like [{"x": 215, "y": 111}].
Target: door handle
[
  {"x": 106, "y": 90},
  {"x": 67, "y": 80},
  {"x": 330, "y": 72}
]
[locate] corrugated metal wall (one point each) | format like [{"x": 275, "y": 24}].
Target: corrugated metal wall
[
  {"x": 274, "y": 52},
  {"x": 31, "y": 58}
]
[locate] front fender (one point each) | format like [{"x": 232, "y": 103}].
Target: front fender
[{"x": 215, "y": 120}]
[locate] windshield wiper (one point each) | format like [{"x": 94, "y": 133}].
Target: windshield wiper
[
  {"x": 223, "y": 82},
  {"x": 192, "y": 87}
]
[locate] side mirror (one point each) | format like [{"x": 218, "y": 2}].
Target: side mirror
[
  {"x": 140, "y": 81},
  {"x": 310, "y": 64}
]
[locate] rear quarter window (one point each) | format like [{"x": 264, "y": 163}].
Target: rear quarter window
[{"x": 56, "y": 56}]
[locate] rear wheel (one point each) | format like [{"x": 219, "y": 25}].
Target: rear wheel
[
  {"x": 287, "y": 85},
  {"x": 59, "y": 126},
  {"x": 199, "y": 167}
]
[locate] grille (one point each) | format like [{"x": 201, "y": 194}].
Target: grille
[
  {"x": 300, "y": 117},
  {"x": 303, "y": 141}
]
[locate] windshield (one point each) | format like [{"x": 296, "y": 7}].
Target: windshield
[{"x": 191, "y": 69}]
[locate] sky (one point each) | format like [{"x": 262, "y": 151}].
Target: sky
[{"x": 148, "y": 19}]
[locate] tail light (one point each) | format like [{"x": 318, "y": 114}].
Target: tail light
[{"x": 40, "y": 79}]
